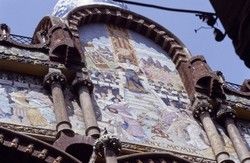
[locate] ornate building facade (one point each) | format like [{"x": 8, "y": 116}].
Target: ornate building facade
[{"x": 99, "y": 83}]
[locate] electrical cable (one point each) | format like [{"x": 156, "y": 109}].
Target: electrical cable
[{"x": 165, "y": 8}]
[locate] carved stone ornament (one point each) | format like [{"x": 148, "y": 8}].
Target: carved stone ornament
[
  {"x": 82, "y": 79},
  {"x": 54, "y": 76},
  {"x": 107, "y": 141},
  {"x": 142, "y": 148},
  {"x": 200, "y": 105},
  {"x": 224, "y": 112}
]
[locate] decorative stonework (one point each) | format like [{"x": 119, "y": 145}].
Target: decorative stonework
[
  {"x": 107, "y": 142},
  {"x": 30, "y": 130},
  {"x": 225, "y": 112},
  {"x": 131, "y": 21},
  {"x": 82, "y": 79},
  {"x": 201, "y": 105},
  {"x": 53, "y": 77},
  {"x": 142, "y": 148}
]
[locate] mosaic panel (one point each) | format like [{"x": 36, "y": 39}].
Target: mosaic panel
[
  {"x": 138, "y": 92},
  {"x": 74, "y": 112},
  {"x": 23, "y": 101}
]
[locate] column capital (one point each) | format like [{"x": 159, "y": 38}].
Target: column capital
[
  {"x": 107, "y": 142},
  {"x": 82, "y": 79},
  {"x": 200, "y": 105},
  {"x": 225, "y": 111},
  {"x": 54, "y": 76}
]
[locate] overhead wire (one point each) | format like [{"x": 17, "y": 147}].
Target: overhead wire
[{"x": 165, "y": 8}]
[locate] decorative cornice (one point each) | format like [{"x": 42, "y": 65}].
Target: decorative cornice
[
  {"x": 142, "y": 148},
  {"x": 152, "y": 157},
  {"x": 29, "y": 129}
]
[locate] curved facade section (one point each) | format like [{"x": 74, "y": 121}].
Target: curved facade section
[{"x": 63, "y": 7}]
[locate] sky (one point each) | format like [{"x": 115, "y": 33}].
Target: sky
[{"x": 22, "y": 16}]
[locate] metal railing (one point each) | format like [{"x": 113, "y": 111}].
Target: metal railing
[
  {"x": 233, "y": 86},
  {"x": 21, "y": 39}
]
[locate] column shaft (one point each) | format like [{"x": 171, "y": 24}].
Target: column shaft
[
  {"x": 237, "y": 140},
  {"x": 60, "y": 107},
  {"x": 214, "y": 138},
  {"x": 92, "y": 128},
  {"x": 110, "y": 156}
]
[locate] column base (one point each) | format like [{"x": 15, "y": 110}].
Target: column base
[
  {"x": 223, "y": 157},
  {"x": 93, "y": 131},
  {"x": 246, "y": 160}
]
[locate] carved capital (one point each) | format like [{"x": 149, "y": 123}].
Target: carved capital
[
  {"x": 82, "y": 79},
  {"x": 224, "y": 112},
  {"x": 54, "y": 76},
  {"x": 201, "y": 105},
  {"x": 107, "y": 141}
]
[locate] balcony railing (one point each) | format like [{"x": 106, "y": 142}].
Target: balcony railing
[
  {"x": 233, "y": 86},
  {"x": 21, "y": 39}
]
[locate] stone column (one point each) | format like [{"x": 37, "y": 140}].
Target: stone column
[
  {"x": 108, "y": 146},
  {"x": 202, "y": 110},
  {"x": 54, "y": 81},
  {"x": 84, "y": 88},
  {"x": 226, "y": 114}
]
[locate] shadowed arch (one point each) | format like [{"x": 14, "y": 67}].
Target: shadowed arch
[{"x": 28, "y": 149}]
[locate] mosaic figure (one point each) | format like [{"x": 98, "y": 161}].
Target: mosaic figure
[{"x": 24, "y": 102}]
